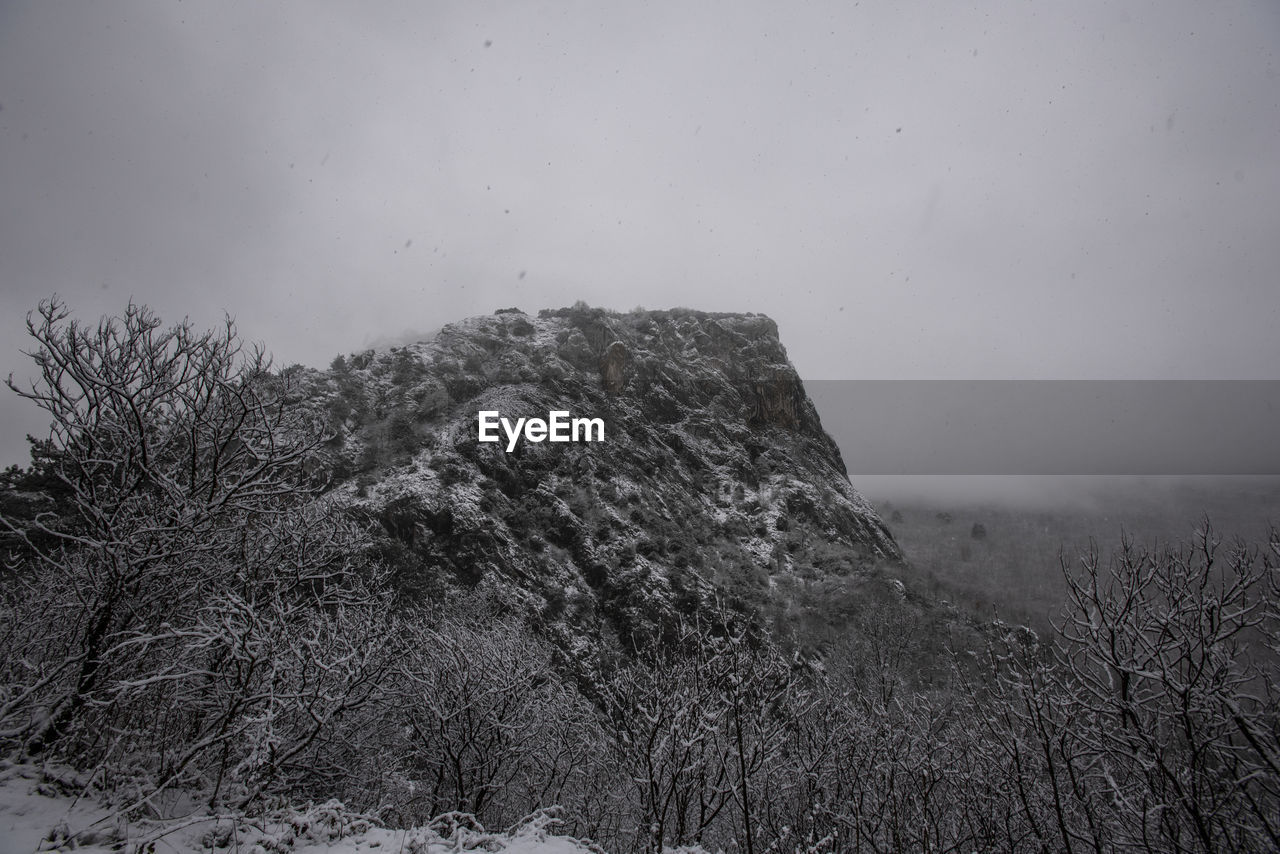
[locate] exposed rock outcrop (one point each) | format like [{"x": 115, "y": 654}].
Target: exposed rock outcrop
[{"x": 612, "y": 367}]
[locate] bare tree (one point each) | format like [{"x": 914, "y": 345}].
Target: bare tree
[
  {"x": 1151, "y": 723},
  {"x": 489, "y": 728},
  {"x": 669, "y": 731},
  {"x": 177, "y": 462},
  {"x": 1168, "y": 656}
]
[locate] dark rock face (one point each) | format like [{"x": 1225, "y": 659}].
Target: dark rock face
[
  {"x": 613, "y": 366},
  {"x": 715, "y": 478}
]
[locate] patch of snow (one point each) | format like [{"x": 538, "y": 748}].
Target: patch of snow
[{"x": 44, "y": 808}]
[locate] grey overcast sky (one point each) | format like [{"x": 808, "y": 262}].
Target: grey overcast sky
[{"x": 1082, "y": 190}]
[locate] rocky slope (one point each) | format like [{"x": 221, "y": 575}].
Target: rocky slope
[{"x": 715, "y": 480}]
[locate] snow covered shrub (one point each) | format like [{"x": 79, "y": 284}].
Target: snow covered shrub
[
  {"x": 169, "y": 447},
  {"x": 1165, "y": 730},
  {"x": 487, "y": 727},
  {"x": 192, "y": 602},
  {"x": 696, "y": 730}
]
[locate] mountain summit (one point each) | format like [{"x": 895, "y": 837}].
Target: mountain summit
[{"x": 713, "y": 480}]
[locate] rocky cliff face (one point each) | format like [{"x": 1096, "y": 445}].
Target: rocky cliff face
[{"x": 715, "y": 479}]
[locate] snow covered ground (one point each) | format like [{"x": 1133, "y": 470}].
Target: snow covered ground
[{"x": 44, "y": 809}]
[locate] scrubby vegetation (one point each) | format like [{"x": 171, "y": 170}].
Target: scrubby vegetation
[{"x": 187, "y": 608}]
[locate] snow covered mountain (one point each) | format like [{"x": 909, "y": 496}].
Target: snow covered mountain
[{"x": 714, "y": 479}]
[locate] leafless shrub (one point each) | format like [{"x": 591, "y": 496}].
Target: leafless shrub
[
  {"x": 696, "y": 732},
  {"x": 191, "y": 595},
  {"x": 487, "y": 727}
]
